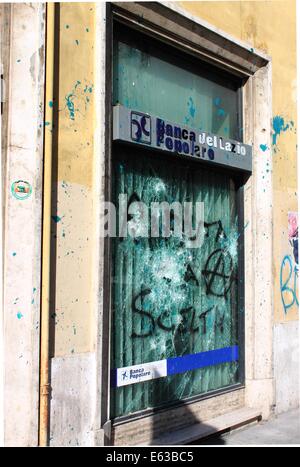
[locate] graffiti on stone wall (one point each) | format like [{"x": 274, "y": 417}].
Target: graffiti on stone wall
[
  {"x": 293, "y": 233},
  {"x": 289, "y": 270}
]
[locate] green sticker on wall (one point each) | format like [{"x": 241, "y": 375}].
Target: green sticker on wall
[{"x": 21, "y": 189}]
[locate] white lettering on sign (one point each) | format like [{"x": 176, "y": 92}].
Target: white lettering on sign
[
  {"x": 156, "y": 133},
  {"x": 139, "y": 373}
]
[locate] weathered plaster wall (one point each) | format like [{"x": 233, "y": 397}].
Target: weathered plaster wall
[
  {"x": 271, "y": 27},
  {"x": 73, "y": 400},
  {"x": 23, "y": 216},
  {"x": 286, "y": 365},
  {"x": 72, "y": 214},
  {"x": 75, "y": 417}
]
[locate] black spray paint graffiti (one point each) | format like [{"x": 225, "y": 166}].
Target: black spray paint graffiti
[
  {"x": 218, "y": 273},
  {"x": 219, "y": 276},
  {"x": 187, "y": 322}
]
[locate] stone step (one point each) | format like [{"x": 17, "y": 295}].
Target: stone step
[{"x": 197, "y": 431}]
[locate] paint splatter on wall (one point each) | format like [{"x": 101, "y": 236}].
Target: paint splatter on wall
[
  {"x": 78, "y": 99},
  {"x": 290, "y": 267},
  {"x": 280, "y": 126},
  {"x": 289, "y": 283}
]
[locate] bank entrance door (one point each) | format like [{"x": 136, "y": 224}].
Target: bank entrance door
[{"x": 177, "y": 310}]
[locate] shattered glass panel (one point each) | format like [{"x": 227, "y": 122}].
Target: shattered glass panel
[
  {"x": 170, "y": 300},
  {"x": 149, "y": 81}
]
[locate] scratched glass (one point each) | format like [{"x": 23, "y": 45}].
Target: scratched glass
[
  {"x": 147, "y": 79},
  {"x": 170, "y": 300}
]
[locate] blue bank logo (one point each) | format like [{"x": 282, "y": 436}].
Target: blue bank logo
[{"x": 140, "y": 127}]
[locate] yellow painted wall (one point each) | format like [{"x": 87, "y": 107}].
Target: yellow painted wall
[
  {"x": 266, "y": 25},
  {"x": 271, "y": 27},
  {"x": 72, "y": 310}
]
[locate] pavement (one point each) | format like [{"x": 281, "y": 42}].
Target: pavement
[{"x": 282, "y": 429}]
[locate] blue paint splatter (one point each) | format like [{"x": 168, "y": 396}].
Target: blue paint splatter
[
  {"x": 77, "y": 92},
  {"x": 220, "y": 112},
  {"x": 19, "y": 315},
  {"x": 279, "y": 126},
  {"x": 14, "y": 253},
  {"x": 263, "y": 147},
  {"x": 192, "y": 108},
  {"x": 50, "y": 104},
  {"x": 70, "y": 106},
  {"x": 88, "y": 88},
  {"x": 56, "y": 218},
  {"x": 288, "y": 286}
]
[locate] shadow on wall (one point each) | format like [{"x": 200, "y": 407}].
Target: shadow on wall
[{"x": 54, "y": 201}]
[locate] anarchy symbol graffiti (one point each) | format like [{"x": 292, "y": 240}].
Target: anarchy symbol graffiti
[{"x": 218, "y": 273}]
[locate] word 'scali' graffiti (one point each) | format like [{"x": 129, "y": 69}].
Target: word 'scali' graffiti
[
  {"x": 187, "y": 319},
  {"x": 217, "y": 275}
]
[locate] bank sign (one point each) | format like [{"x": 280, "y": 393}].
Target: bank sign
[
  {"x": 172, "y": 366},
  {"x": 135, "y": 127}
]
